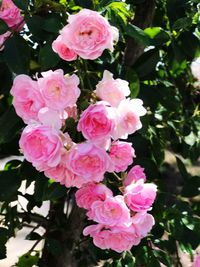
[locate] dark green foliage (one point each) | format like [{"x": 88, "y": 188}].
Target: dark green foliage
[
  {"x": 3, "y": 27},
  {"x": 17, "y": 61}
]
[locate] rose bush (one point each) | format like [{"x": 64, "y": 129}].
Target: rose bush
[{"x": 107, "y": 89}]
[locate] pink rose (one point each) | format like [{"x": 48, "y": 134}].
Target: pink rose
[
  {"x": 112, "y": 212},
  {"x": 41, "y": 145},
  {"x": 63, "y": 175},
  {"x": 27, "y": 98},
  {"x": 139, "y": 196},
  {"x": 112, "y": 91},
  {"x": 129, "y": 112},
  {"x": 10, "y": 14},
  {"x": 196, "y": 262},
  {"x": 89, "y": 161},
  {"x": 136, "y": 173},
  {"x": 50, "y": 117},
  {"x": 59, "y": 91},
  {"x": 91, "y": 192},
  {"x": 88, "y": 34},
  {"x": 195, "y": 68},
  {"x": 116, "y": 238},
  {"x": 3, "y": 38},
  {"x": 97, "y": 122},
  {"x": 63, "y": 51},
  {"x": 143, "y": 223},
  {"x": 72, "y": 112},
  {"x": 122, "y": 155}
]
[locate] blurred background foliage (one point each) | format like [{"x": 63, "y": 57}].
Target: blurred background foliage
[{"x": 158, "y": 41}]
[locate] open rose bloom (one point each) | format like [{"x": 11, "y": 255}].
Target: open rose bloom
[
  {"x": 112, "y": 90},
  {"x": 93, "y": 159},
  {"x": 87, "y": 35},
  {"x": 10, "y": 14}
]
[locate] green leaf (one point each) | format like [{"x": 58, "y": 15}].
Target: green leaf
[
  {"x": 2, "y": 251},
  {"x": 33, "y": 236},
  {"x": 182, "y": 168},
  {"x": 41, "y": 184},
  {"x": 83, "y": 3},
  {"x": 47, "y": 58},
  {"x": 22, "y": 4},
  {"x": 191, "y": 187},
  {"x": 52, "y": 23},
  {"x": 54, "y": 191},
  {"x": 17, "y": 60},
  {"x": 134, "y": 82},
  {"x": 3, "y": 27},
  {"x": 120, "y": 9},
  {"x": 146, "y": 64},
  {"x": 28, "y": 260},
  {"x": 6, "y": 79},
  {"x": 35, "y": 25},
  {"x": 104, "y": 3},
  {"x": 3, "y": 240},
  {"x": 157, "y": 35},
  {"x": 128, "y": 260},
  {"x": 9, "y": 183},
  {"x": 182, "y": 23},
  {"x": 190, "y": 139},
  {"x": 137, "y": 34},
  {"x": 163, "y": 257},
  {"x": 10, "y": 123}
]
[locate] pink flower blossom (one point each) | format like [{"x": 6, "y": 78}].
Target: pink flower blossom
[
  {"x": 63, "y": 51},
  {"x": 111, "y": 90},
  {"x": 97, "y": 122},
  {"x": 10, "y": 14},
  {"x": 116, "y": 238},
  {"x": 88, "y": 34},
  {"x": 41, "y": 145},
  {"x": 90, "y": 193},
  {"x": 72, "y": 112},
  {"x": 196, "y": 262},
  {"x": 63, "y": 175},
  {"x": 27, "y": 98},
  {"x": 50, "y": 117},
  {"x": 129, "y": 112},
  {"x": 195, "y": 68},
  {"x": 139, "y": 196},
  {"x": 136, "y": 173},
  {"x": 142, "y": 223},
  {"x": 112, "y": 212},
  {"x": 59, "y": 91},
  {"x": 122, "y": 154},
  {"x": 3, "y": 38},
  {"x": 89, "y": 161}
]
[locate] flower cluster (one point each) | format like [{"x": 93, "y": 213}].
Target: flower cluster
[
  {"x": 87, "y": 35},
  {"x": 46, "y": 102},
  {"x": 10, "y": 14},
  {"x": 122, "y": 220}
]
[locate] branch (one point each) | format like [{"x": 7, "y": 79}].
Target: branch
[
  {"x": 36, "y": 218},
  {"x": 144, "y": 14}
]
